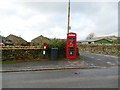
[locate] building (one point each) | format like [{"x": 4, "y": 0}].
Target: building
[
  {"x": 16, "y": 40},
  {"x": 110, "y": 38},
  {"x": 96, "y": 41},
  {"x": 39, "y": 40},
  {"x": 6, "y": 41},
  {"x": 113, "y": 39}
]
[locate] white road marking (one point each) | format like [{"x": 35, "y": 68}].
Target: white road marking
[
  {"x": 105, "y": 55},
  {"x": 114, "y": 56},
  {"x": 98, "y": 59},
  {"x": 110, "y": 63}
]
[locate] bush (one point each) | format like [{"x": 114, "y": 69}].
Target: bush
[{"x": 61, "y": 45}]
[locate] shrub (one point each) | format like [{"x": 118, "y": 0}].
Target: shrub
[{"x": 61, "y": 45}]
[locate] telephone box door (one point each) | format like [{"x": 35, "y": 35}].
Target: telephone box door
[{"x": 71, "y": 46}]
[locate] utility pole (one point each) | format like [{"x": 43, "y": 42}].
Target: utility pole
[
  {"x": 68, "y": 16},
  {"x": 20, "y": 40}
]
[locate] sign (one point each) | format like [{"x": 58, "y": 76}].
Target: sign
[
  {"x": 44, "y": 52},
  {"x": 71, "y": 34},
  {"x": 69, "y": 27}
]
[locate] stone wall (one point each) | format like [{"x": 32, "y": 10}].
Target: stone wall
[
  {"x": 37, "y": 53},
  {"x": 99, "y": 48},
  {"x": 23, "y": 54}
]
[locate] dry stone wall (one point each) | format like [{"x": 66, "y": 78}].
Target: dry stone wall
[
  {"x": 22, "y": 54},
  {"x": 99, "y": 48},
  {"x": 37, "y": 53}
]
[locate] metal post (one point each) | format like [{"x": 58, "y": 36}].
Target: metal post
[{"x": 68, "y": 16}]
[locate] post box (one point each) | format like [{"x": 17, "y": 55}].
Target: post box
[
  {"x": 44, "y": 46},
  {"x": 71, "y": 45}
]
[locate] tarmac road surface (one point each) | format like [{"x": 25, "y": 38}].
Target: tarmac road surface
[
  {"x": 78, "y": 78},
  {"x": 88, "y": 60},
  {"x": 93, "y": 59}
]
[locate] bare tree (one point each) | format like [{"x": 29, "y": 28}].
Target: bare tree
[{"x": 90, "y": 36}]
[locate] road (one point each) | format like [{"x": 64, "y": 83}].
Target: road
[
  {"x": 81, "y": 78},
  {"x": 93, "y": 59},
  {"x": 77, "y": 78}
]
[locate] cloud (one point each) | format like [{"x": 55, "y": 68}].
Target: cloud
[{"x": 31, "y": 19}]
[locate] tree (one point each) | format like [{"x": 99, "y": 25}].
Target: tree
[{"x": 90, "y": 36}]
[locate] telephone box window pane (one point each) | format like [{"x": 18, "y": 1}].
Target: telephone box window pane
[
  {"x": 71, "y": 42},
  {"x": 71, "y": 53},
  {"x": 71, "y": 48},
  {"x": 72, "y": 39}
]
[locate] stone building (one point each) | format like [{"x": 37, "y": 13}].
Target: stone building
[
  {"x": 39, "y": 40},
  {"x": 96, "y": 41},
  {"x": 5, "y": 40},
  {"x": 111, "y": 38},
  {"x": 16, "y": 40}
]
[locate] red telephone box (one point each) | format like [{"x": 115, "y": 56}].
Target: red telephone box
[{"x": 71, "y": 45}]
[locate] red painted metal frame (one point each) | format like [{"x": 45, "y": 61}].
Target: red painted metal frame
[
  {"x": 69, "y": 35},
  {"x": 44, "y": 45}
]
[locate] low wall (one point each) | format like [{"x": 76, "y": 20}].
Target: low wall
[
  {"x": 31, "y": 53},
  {"x": 99, "y": 48},
  {"x": 23, "y": 54}
]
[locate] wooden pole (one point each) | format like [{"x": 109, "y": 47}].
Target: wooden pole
[{"x": 68, "y": 16}]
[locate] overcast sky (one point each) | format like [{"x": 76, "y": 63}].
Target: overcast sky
[{"x": 31, "y": 19}]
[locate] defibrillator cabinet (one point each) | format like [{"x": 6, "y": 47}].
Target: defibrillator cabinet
[{"x": 71, "y": 45}]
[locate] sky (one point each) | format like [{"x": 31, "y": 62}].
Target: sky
[{"x": 30, "y": 19}]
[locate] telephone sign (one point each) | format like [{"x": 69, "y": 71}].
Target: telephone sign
[{"x": 71, "y": 46}]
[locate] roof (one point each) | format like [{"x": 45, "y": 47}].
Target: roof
[
  {"x": 39, "y": 37},
  {"x": 106, "y": 37},
  {"x": 4, "y": 38},
  {"x": 92, "y": 40},
  {"x": 16, "y": 37}
]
